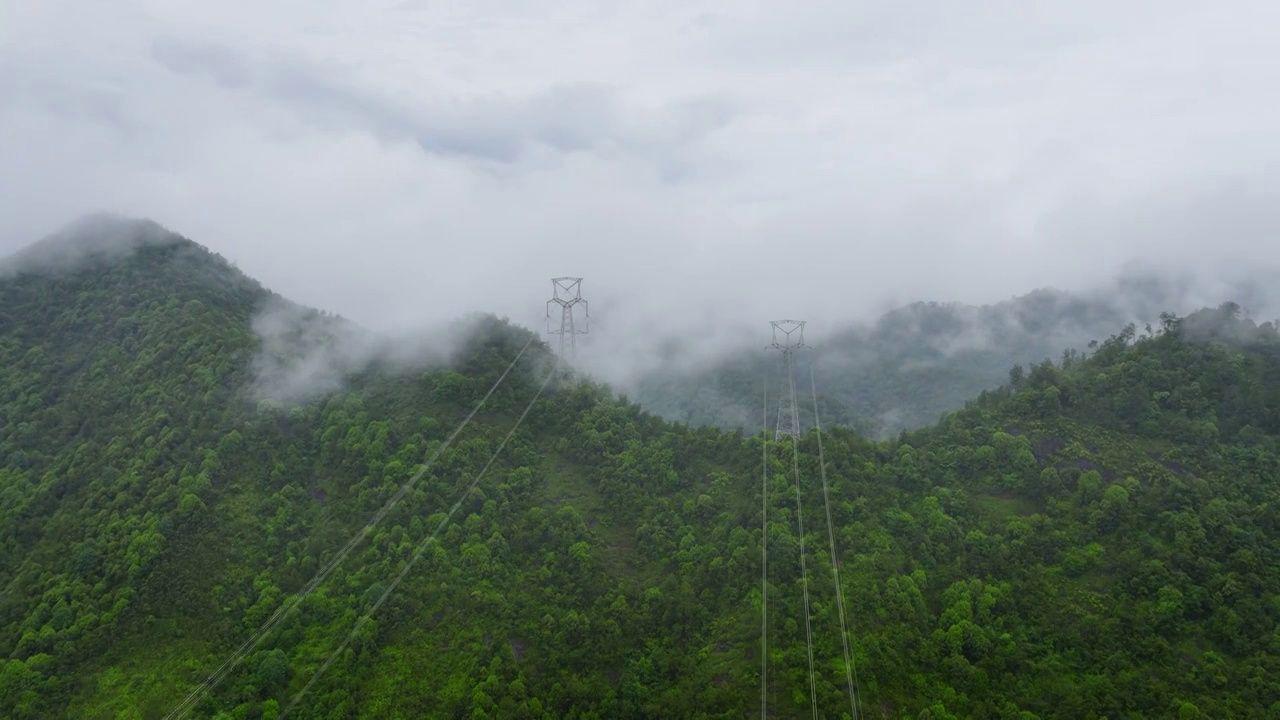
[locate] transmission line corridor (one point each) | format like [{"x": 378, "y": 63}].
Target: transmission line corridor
[
  {"x": 236, "y": 657},
  {"x": 422, "y": 546},
  {"x": 788, "y": 337}
]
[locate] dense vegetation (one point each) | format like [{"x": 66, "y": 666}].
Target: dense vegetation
[
  {"x": 1095, "y": 539},
  {"x": 920, "y": 361}
]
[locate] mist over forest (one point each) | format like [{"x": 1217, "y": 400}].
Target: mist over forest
[
  {"x": 902, "y": 371},
  {"x": 189, "y": 445},
  {"x": 288, "y": 431},
  {"x": 917, "y": 362}
]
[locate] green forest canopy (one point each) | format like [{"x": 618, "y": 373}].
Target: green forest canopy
[
  {"x": 1095, "y": 539},
  {"x": 921, "y": 361}
]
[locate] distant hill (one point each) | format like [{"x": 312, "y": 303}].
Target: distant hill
[
  {"x": 184, "y": 454},
  {"x": 920, "y": 361}
]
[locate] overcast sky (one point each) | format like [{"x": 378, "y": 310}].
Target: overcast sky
[{"x": 700, "y": 163}]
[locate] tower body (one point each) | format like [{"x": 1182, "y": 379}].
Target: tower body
[
  {"x": 788, "y": 336},
  {"x": 567, "y": 293}
]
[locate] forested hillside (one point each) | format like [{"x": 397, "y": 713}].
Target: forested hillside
[
  {"x": 920, "y": 361},
  {"x": 1096, "y": 539}
]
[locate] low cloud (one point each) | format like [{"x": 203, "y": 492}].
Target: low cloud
[
  {"x": 707, "y": 167},
  {"x": 306, "y": 354},
  {"x": 93, "y": 239}
]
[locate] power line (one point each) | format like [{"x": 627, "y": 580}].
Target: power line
[
  {"x": 804, "y": 573},
  {"x": 764, "y": 557},
  {"x": 417, "y": 553},
  {"x": 283, "y": 611},
  {"x": 789, "y": 425},
  {"x": 850, "y": 670}
]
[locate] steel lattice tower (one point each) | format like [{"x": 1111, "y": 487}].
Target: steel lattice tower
[
  {"x": 788, "y": 336},
  {"x": 567, "y": 293}
]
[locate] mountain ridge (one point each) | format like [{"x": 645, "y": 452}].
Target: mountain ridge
[
  {"x": 903, "y": 371},
  {"x": 919, "y": 361},
  {"x": 1092, "y": 539}
]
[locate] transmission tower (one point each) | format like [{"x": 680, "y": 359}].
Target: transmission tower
[
  {"x": 788, "y": 336},
  {"x": 567, "y": 293}
]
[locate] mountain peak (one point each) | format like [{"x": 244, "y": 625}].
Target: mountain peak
[
  {"x": 101, "y": 240},
  {"x": 91, "y": 239}
]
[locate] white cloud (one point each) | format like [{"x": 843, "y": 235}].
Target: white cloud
[{"x": 704, "y": 165}]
